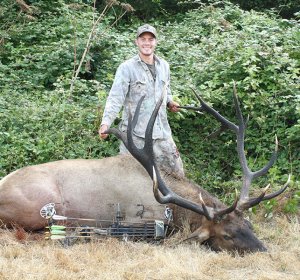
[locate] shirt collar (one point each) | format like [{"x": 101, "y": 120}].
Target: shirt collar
[{"x": 156, "y": 58}]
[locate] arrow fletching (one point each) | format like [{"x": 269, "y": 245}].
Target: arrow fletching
[
  {"x": 59, "y": 218},
  {"x": 54, "y": 227},
  {"x": 58, "y": 232}
]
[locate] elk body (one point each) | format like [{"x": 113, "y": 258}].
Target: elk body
[
  {"x": 79, "y": 188},
  {"x": 93, "y": 188}
]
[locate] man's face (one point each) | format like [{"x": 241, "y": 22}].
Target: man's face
[{"x": 146, "y": 43}]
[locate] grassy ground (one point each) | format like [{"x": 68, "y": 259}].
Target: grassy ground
[{"x": 28, "y": 256}]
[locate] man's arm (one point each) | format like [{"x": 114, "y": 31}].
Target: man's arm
[{"x": 115, "y": 100}]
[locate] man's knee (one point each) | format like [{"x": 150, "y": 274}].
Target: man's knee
[{"x": 168, "y": 157}]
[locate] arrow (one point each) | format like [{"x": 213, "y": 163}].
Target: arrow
[
  {"x": 64, "y": 218},
  {"x": 61, "y": 227},
  {"x": 56, "y": 232},
  {"x": 57, "y": 237}
]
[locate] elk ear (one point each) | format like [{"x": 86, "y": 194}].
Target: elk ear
[
  {"x": 199, "y": 234},
  {"x": 248, "y": 223}
]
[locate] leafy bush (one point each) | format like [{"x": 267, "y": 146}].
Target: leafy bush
[
  {"x": 207, "y": 49},
  {"x": 40, "y": 120},
  {"x": 286, "y": 8},
  {"x": 210, "y": 48},
  {"x": 150, "y": 9}
]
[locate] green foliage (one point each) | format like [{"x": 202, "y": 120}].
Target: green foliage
[
  {"x": 207, "y": 49},
  {"x": 150, "y": 9},
  {"x": 269, "y": 206},
  {"x": 39, "y": 120},
  {"x": 48, "y": 127},
  {"x": 292, "y": 205},
  {"x": 286, "y": 8}
]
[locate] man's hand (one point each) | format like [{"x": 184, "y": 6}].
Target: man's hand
[
  {"x": 173, "y": 106},
  {"x": 102, "y": 129}
]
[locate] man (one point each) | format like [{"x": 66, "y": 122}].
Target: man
[{"x": 145, "y": 74}]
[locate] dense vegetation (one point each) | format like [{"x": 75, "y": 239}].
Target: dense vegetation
[{"x": 208, "y": 47}]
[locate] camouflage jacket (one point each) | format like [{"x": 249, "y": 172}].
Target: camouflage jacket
[{"x": 133, "y": 79}]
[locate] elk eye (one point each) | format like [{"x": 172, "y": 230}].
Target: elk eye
[{"x": 227, "y": 237}]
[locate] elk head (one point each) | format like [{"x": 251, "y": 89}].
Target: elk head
[{"x": 219, "y": 227}]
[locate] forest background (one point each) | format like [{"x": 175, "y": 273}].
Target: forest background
[{"x": 58, "y": 59}]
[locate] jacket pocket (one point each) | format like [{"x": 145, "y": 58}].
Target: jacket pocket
[{"x": 138, "y": 88}]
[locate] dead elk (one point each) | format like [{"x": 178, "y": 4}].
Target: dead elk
[
  {"x": 212, "y": 223},
  {"x": 91, "y": 189}
]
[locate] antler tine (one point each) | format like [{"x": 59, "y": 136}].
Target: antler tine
[
  {"x": 136, "y": 113},
  {"x": 127, "y": 138},
  {"x": 219, "y": 214},
  {"x": 148, "y": 148},
  {"x": 240, "y": 134},
  {"x": 119, "y": 134},
  {"x": 205, "y": 209},
  {"x": 171, "y": 197},
  {"x": 245, "y": 201},
  {"x": 238, "y": 108},
  {"x": 216, "y": 215},
  {"x": 262, "y": 197},
  {"x": 272, "y": 160},
  {"x": 250, "y": 202},
  {"x": 146, "y": 159},
  {"x": 215, "y": 114},
  {"x": 158, "y": 197},
  {"x": 274, "y": 194}
]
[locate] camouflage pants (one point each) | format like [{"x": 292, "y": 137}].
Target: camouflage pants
[{"x": 166, "y": 155}]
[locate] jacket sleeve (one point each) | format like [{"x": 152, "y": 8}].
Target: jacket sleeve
[{"x": 116, "y": 97}]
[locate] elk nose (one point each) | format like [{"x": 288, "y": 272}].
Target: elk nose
[
  {"x": 263, "y": 249},
  {"x": 259, "y": 248}
]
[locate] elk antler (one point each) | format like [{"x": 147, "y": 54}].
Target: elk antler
[
  {"x": 244, "y": 202},
  {"x": 145, "y": 156}
]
